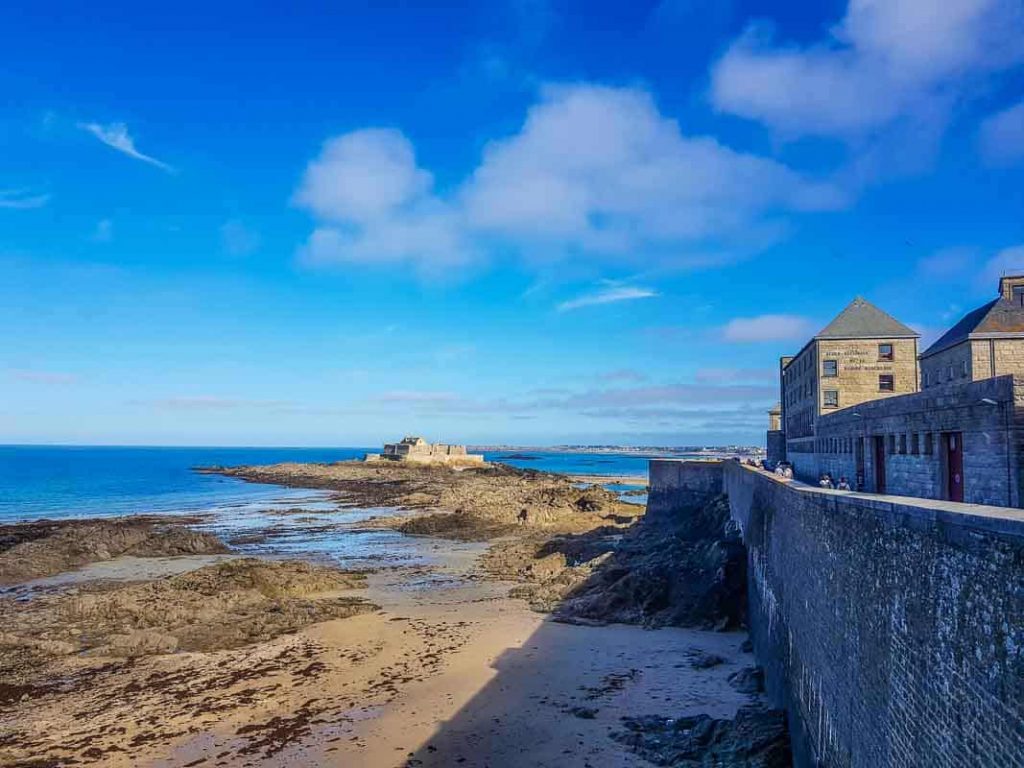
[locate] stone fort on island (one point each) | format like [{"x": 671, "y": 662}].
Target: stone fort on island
[{"x": 416, "y": 450}]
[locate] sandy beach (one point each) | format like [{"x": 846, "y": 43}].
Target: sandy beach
[{"x": 429, "y": 665}]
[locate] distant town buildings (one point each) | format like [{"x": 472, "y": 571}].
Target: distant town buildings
[
  {"x": 417, "y": 450},
  {"x": 858, "y": 401}
]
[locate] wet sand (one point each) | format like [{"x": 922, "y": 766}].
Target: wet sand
[{"x": 450, "y": 671}]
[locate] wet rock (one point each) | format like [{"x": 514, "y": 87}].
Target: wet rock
[
  {"x": 686, "y": 571},
  {"x": 472, "y": 503},
  {"x": 756, "y": 738},
  {"x": 45, "y": 548},
  {"x": 228, "y": 605},
  {"x": 703, "y": 660},
  {"x": 748, "y": 680}
]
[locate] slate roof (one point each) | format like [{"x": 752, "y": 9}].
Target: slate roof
[
  {"x": 863, "y": 320},
  {"x": 998, "y": 316}
]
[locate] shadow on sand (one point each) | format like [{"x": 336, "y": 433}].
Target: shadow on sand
[{"x": 583, "y": 691}]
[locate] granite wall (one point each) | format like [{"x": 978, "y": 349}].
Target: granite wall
[{"x": 892, "y": 632}]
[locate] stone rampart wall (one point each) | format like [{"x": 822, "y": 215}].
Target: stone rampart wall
[{"x": 892, "y": 631}]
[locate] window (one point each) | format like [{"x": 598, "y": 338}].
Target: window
[
  {"x": 830, "y": 368},
  {"x": 885, "y": 352},
  {"x": 949, "y": 373},
  {"x": 915, "y": 444},
  {"x": 886, "y": 383},
  {"x": 892, "y": 444},
  {"x": 903, "y": 445},
  {"x": 928, "y": 443},
  {"x": 963, "y": 368},
  {"x": 831, "y": 398}
]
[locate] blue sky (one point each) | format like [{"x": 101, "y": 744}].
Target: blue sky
[{"x": 522, "y": 221}]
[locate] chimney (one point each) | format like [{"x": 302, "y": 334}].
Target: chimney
[{"x": 1011, "y": 288}]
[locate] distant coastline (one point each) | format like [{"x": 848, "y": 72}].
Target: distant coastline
[{"x": 635, "y": 450}]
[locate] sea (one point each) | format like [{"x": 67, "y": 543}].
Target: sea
[{"x": 58, "y": 482}]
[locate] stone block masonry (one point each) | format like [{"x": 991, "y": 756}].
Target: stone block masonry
[{"x": 890, "y": 629}]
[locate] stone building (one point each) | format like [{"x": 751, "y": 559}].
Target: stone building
[
  {"x": 851, "y": 405},
  {"x": 863, "y": 354},
  {"x": 418, "y": 450},
  {"x": 987, "y": 342},
  {"x": 960, "y": 442}
]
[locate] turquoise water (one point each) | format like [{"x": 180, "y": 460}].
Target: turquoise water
[{"x": 64, "y": 481}]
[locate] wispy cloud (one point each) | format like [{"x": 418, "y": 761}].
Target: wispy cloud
[
  {"x": 734, "y": 375},
  {"x": 609, "y": 295},
  {"x": 768, "y": 328},
  {"x": 104, "y": 231},
  {"x": 116, "y": 136},
  {"x": 238, "y": 239},
  {"x": 42, "y": 377},
  {"x": 212, "y": 402},
  {"x": 623, "y": 374},
  {"x": 1001, "y": 136},
  {"x": 884, "y": 62},
  {"x": 21, "y": 200},
  {"x": 594, "y": 172}
]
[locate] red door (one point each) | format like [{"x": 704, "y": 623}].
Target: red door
[
  {"x": 879, "y": 464},
  {"x": 954, "y": 466}
]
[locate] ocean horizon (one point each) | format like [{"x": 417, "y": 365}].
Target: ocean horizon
[{"x": 62, "y": 481}]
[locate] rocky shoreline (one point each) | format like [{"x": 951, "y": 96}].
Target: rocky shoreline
[{"x": 166, "y": 630}]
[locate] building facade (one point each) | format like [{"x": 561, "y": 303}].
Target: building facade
[
  {"x": 986, "y": 342},
  {"x": 858, "y": 404},
  {"x": 962, "y": 442},
  {"x": 863, "y": 354}
]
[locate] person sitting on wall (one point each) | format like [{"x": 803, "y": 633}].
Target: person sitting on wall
[
  {"x": 844, "y": 485},
  {"x": 788, "y": 472},
  {"x": 825, "y": 481}
]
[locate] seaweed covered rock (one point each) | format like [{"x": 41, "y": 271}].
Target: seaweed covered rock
[
  {"x": 686, "y": 571},
  {"x": 756, "y": 738}
]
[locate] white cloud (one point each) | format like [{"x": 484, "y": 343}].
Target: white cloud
[
  {"x": 363, "y": 176},
  {"x": 116, "y": 135},
  {"x": 1001, "y": 136},
  {"x": 601, "y": 169},
  {"x": 20, "y": 200},
  {"x": 885, "y": 61},
  {"x": 768, "y": 328},
  {"x": 375, "y": 206},
  {"x": 594, "y": 172},
  {"x": 609, "y": 295},
  {"x": 238, "y": 239}
]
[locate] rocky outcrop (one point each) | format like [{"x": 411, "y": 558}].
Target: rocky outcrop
[
  {"x": 231, "y": 604},
  {"x": 48, "y": 547},
  {"x": 756, "y": 738},
  {"x": 685, "y": 570},
  {"x": 471, "y": 503}
]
